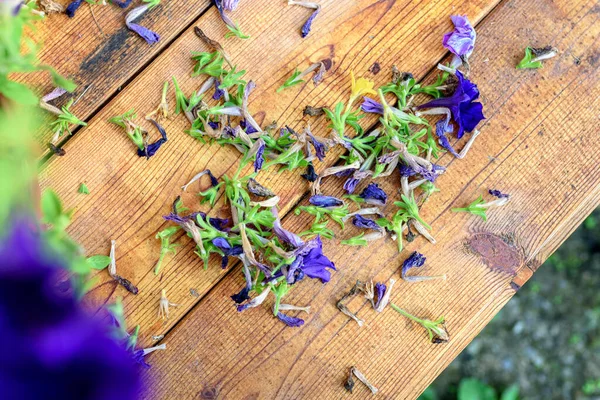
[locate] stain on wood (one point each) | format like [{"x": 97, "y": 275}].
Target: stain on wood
[{"x": 495, "y": 252}]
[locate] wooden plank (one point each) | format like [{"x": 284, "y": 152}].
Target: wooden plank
[
  {"x": 129, "y": 195},
  {"x": 106, "y": 60},
  {"x": 538, "y": 144}
]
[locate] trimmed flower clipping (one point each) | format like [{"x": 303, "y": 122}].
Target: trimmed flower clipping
[
  {"x": 149, "y": 36},
  {"x": 534, "y": 57}
]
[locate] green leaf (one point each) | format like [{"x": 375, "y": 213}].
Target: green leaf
[
  {"x": 510, "y": 393},
  {"x": 83, "y": 189},
  {"x": 98, "y": 262},
  {"x": 526, "y": 62},
  {"x": 61, "y": 81},
  {"x": 17, "y": 92},
  {"x": 51, "y": 206},
  {"x": 473, "y": 389}
]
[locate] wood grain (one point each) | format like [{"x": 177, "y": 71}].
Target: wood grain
[
  {"x": 537, "y": 144},
  {"x": 106, "y": 58},
  {"x": 129, "y": 195}
]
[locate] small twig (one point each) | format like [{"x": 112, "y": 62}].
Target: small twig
[
  {"x": 96, "y": 21},
  {"x": 363, "y": 379}
]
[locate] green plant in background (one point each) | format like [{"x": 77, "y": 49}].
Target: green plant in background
[
  {"x": 591, "y": 387},
  {"x": 474, "y": 389}
]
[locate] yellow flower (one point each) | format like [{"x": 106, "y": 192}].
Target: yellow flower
[{"x": 361, "y": 87}]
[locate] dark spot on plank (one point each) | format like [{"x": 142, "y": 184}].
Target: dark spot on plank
[
  {"x": 375, "y": 68},
  {"x": 98, "y": 60},
  {"x": 327, "y": 63},
  {"x": 497, "y": 253},
  {"x": 209, "y": 393},
  {"x": 194, "y": 292},
  {"x": 515, "y": 286}
]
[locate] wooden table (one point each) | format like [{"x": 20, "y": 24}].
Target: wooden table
[{"x": 539, "y": 143}]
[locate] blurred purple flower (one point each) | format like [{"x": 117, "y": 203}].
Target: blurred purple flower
[
  {"x": 465, "y": 111},
  {"x": 149, "y": 36},
  {"x": 350, "y": 184},
  {"x": 406, "y": 170},
  {"x": 461, "y": 41},
  {"x": 242, "y": 296},
  {"x": 218, "y": 92},
  {"x": 284, "y": 235},
  {"x": 320, "y": 147},
  {"x": 53, "y": 346},
  {"x": 152, "y": 148},
  {"x": 441, "y": 128},
  {"x": 290, "y": 321}
]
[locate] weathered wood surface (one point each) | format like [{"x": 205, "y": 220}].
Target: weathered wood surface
[
  {"x": 129, "y": 195},
  {"x": 106, "y": 55},
  {"x": 536, "y": 144}
]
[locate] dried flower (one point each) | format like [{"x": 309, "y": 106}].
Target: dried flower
[
  {"x": 435, "y": 329},
  {"x": 383, "y": 302},
  {"x": 163, "y": 306},
  {"x": 366, "y": 223},
  {"x": 290, "y": 321},
  {"x": 151, "y": 149},
  {"x": 296, "y": 77},
  {"x": 308, "y": 24},
  {"x": 112, "y": 271},
  {"x": 416, "y": 260},
  {"x": 342, "y": 307},
  {"x": 213, "y": 181},
  {"x": 310, "y": 174},
  {"x": 498, "y": 194},
  {"x": 255, "y": 302},
  {"x": 149, "y": 36},
  {"x": 363, "y": 379}
]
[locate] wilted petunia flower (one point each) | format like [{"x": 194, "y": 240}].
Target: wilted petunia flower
[
  {"x": 73, "y": 7},
  {"x": 152, "y": 148},
  {"x": 310, "y": 174},
  {"x": 313, "y": 263},
  {"x": 149, "y": 36},
  {"x": 219, "y": 93},
  {"x": 287, "y": 237},
  {"x": 242, "y": 296},
  {"x": 308, "y": 24},
  {"x": 380, "y": 289},
  {"x": 465, "y": 112},
  {"x": 122, "y": 4},
  {"x": 498, "y": 194},
  {"x": 461, "y": 41},
  {"x": 53, "y": 341},
  {"x": 416, "y": 260},
  {"x": 371, "y": 106},
  {"x": 325, "y": 201},
  {"x": 230, "y": 5},
  {"x": 290, "y": 321},
  {"x": 373, "y": 194},
  {"x": 366, "y": 223}
]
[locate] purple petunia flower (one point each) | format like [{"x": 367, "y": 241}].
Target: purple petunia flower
[
  {"x": 366, "y": 223},
  {"x": 72, "y": 8},
  {"x": 259, "y": 159},
  {"x": 375, "y": 195},
  {"x": 380, "y": 288},
  {"x": 325, "y": 201},
  {"x": 218, "y": 92},
  {"x": 310, "y": 174},
  {"x": 152, "y": 148},
  {"x": 290, "y": 321},
  {"x": 406, "y": 171},
  {"x": 461, "y": 41},
  {"x": 351, "y": 184},
  {"x": 371, "y": 106},
  {"x": 441, "y": 128},
  {"x": 498, "y": 194},
  {"x": 53, "y": 346},
  {"x": 149, "y": 36},
  {"x": 432, "y": 175},
  {"x": 320, "y": 148},
  {"x": 308, "y": 24},
  {"x": 465, "y": 111},
  {"x": 284, "y": 235},
  {"x": 248, "y": 128},
  {"x": 314, "y": 263},
  {"x": 415, "y": 260},
  {"x": 122, "y": 4},
  {"x": 230, "y": 5},
  {"x": 242, "y": 296}
]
